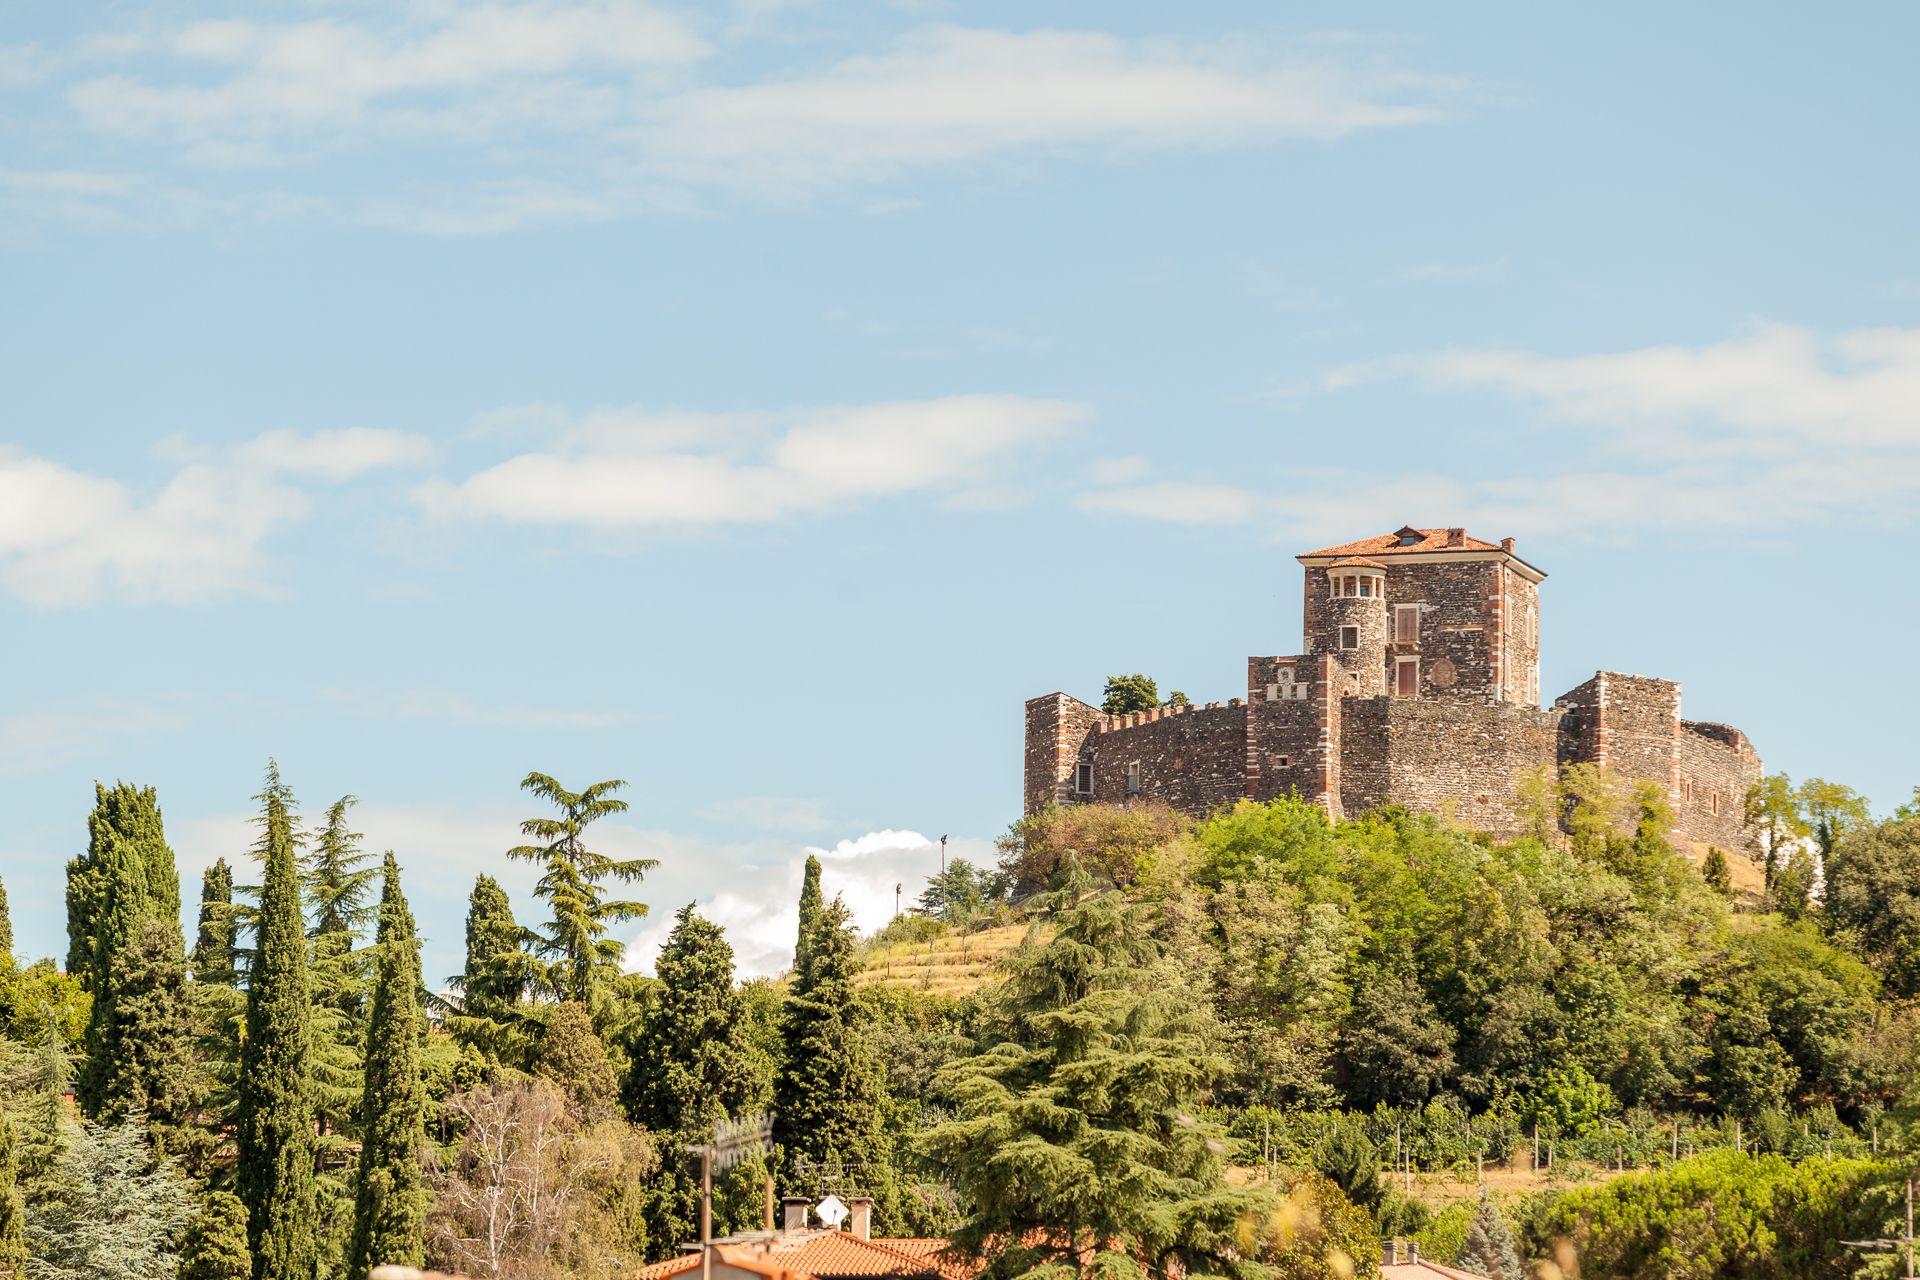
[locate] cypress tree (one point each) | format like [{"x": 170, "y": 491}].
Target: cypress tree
[
  {"x": 1489, "y": 1249},
  {"x": 496, "y": 975},
  {"x": 130, "y": 880},
  {"x": 692, "y": 1065},
  {"x": 575, "y": 941},
  {"x": 275, "y": 1139},
  {"x": 389, "y": 1207},
  {"x": 148, "y": 1065},
  {"x": 828, "y": 1095},
  {"x": 13, "y": 1206},
  {"x": 6, "y": 930},
  {"x": 215, "y": 1247},
  {"x": 213, "y": 946},
  {"x": 1716, "y": 872},
  {"x": 809, "y": 911},
  {"x": 127, "y": 869}
]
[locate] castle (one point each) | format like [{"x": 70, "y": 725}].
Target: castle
[{"x": 1419, "y": 685}]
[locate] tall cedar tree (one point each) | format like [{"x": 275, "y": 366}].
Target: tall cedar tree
[
  {"x": 127, "y": 848},
  {"x": 692, "y": 1065},
  {"x": 575, "y": 940},
  {"x": 389, "y": 1207},
  {"x": 213, "y": 948},
  {"x": 13, "y": 1206},
  {"x": 495, "y": 980},
  {"x": 809, "y": 911},
  {"x": 828, "y": 1097},
  {"x": 129, "y": 880},
  {"x": 215, "y": 1247},
  {"x": 337, "y": 881},
  {"x": 1077, "y": 1146},
  {"x": 274, "y": 1169}
]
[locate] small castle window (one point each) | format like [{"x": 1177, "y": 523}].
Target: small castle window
[
  {"x": 1713, "y": 803},
  {"x": 1406, "y": 624},
  {"x": 1083, "y": 778},
  {"x": 1406, "y": 678},
  {"x": 1349, "y": 637},
  {"x": 1133, "y": 777},
  {"x": 1285, "y": 762},
  {"x": 1283, "y": 675}
]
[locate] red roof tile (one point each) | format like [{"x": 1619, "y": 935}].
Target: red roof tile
[{"x": 1388, "y": 544}]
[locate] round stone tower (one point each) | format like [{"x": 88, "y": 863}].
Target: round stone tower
[{"x": 1356, "y": 633}]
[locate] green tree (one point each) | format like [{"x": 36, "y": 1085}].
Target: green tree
[
  {"x": 1351, "y": 1161},
  {"x": 575, "y": 940},
  {"x": 337, "y": 876},
  {"x": 147, "y": 1066},
  {"x": 572, "y": 1055},
  {"x": 692, "y": 1064},
  {"x": 1773, "y": 818},
  {"x": 495, "y": 980},
  {"x": 128, "y": 880},
  {"x": 810, "y": 904},
  {"x": 1830, "y": 810},
  {"x": 6, "y": 929},
  {"x": 127, "y": 856},
  {"x": 213, "y": 947},
  {"x": 1078, "y": 1147},
  {"x": 1790, "y": 892},
  {"x": 1490, "y": 1249},
  {"x": 1398, "y": 1049},
  {"x": 111, "y": 1211},
  {"x": 1129, "y": 693},
  {"x": 215, "y": 1246},
  {"x": 957, "y": 894},
  {"x": 1716, "y": 872},
  {"x": 1873, "y": 898},
  {"x": 389, "y": 1208},
  {"x": 828, "y": 1096},
  {"x": 13, "y": 1206},
  {"x": 275, "y": 1132}
]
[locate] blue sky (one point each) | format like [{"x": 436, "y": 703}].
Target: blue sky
[{"x": 759, "y": 402}]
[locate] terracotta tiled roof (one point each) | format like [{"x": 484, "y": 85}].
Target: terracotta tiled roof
[
  {"x": 1388, "y": 544},
  {"x": 930, "y": 1249},
  {"x": 671, "y": 1267},
  {"x": 1422, "y": 1270},
  {"x": 823, "y": 1254}
]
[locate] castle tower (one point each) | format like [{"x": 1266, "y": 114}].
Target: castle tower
[{"x": 1354, "y": 632}]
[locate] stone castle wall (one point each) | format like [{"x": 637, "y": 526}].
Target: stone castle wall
[
  {"x": 1191, "y": 758},
  {"x": 1717, "y": 767},
  {"x": 1462, "y": 759}
]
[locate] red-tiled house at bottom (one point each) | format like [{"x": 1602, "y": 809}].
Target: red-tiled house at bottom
[
  {"x": 1400, "y": 1260},
  {"x": 815, "y": 1254}
]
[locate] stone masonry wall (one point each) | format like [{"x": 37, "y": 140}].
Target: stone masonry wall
[
  {"x": 1192, "y": 758},
  {"x": 1287, "y": 709},
  {"x": 1459, "y": 758},
  {"x": 1454, "y": 644},
  {"x": 1057, "y": 726},
  {"x": 1717, "y": 767}
]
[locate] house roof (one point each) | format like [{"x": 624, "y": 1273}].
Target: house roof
[
  {"x": 1390, "y": 544},
  {"x": 1423, "y": 1271},
  {"x": 822, "y": 1253}
]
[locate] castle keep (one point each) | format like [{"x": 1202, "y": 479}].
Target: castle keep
[{"x": 1418, "y": 684}]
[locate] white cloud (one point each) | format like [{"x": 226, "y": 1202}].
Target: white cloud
[
  {"x": 1778, "y": 424},
  {"x": 1125, "y": 470},
  {"x": 33, "y": 740},
  {"x": 67, "y": 537},
  {"x": 633, "y": 468},
  {"x": 955, "y": 94},
  {"x": 762, "y": 918},
  {"x": 453, "y": 708}
]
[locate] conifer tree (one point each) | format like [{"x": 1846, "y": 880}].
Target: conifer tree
[
  {"x": 127, "y": 856},
  {"x": 491, "y": 1017},
  {"x": 130, "y": 880},
  {"x": 274, "y": 1170},
  {"x": 213, "y": 946},
  {"x": 1078, "y": 1146},
  {"x": 215, "y": 1247},
  {"x": 1716, "y": 872},
  {"x": 571, "y": 1055},
  {"x": 1489, "y": 1249},
  {"x": 810, "y": 903},
  {"x": 337, "y": 881},
  {"x": 389, "y": 1213},
  {"x": 146, "y": 1066},
  {"x": 575, "y": 941},
  {"x": 13, "y": 1206},
  {"x": 692, "y": 1065},
  {"x": 6, "y": 930},
  {"x": 828, "y": 1097},
  {"x": 111, "y": 1210}
]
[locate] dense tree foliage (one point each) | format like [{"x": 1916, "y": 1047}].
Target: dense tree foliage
[
  {"x": 109, "y": 1212},
  {"x": 6, "y": 929},
  {"x": 274, "y": 1120},
  {"x": 389, "y": 1206},
  {"x": 215, "y": 1246},
  {"x": 1129, "y": 693},
  {"x": 213, "y": 946},
  {"x": 13, "y": 1205}
]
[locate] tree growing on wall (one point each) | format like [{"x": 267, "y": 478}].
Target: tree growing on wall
[
  {"x": 581, "y": 956},
  {"x": 1125, "y": 694},
  {"x": 274, "y": 1171}
]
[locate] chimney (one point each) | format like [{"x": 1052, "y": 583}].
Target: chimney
[
  {"x": 1413, "y": 1251},
  {"x": 1456, "y": 537},
  {"x": 861, "y": 1220},
  {"x": 1506, "y": 545},
  {"x": 1394, "y": 1251},
  {"x": 793, "y": 1210}
]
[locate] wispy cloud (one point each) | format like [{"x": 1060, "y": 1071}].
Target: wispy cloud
[
  {"x": 636, "y": 468},
  {"x": 34, "y": 740},
  {"x": 1777, "y": 424},
  {"x": 67, "y": 537},
  {"x": 448, "y": 707}
]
